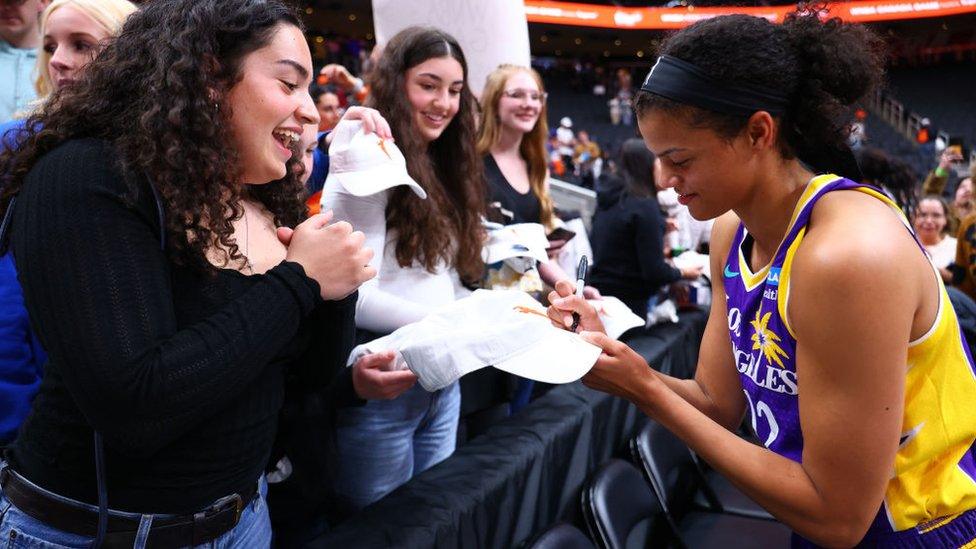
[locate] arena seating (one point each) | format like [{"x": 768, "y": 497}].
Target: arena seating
[
  {"x": 942, "y": 93},
  {"x": 588, "y": 112}
]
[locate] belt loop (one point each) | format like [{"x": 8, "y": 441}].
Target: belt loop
[{"x": 142, "y": 534}]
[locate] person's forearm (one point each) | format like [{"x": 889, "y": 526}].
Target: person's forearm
[
  {"x": 693, "y": 393},
  {"x": 780, "y": 485}
]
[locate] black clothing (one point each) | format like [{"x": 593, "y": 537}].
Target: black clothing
[
  {"x": 524, "y": 208},
  {"x": 181, "y": 371},
  {"x": 628, "y": 246}
]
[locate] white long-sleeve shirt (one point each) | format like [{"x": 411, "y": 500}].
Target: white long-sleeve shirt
[{"x": 398, "y": 295}]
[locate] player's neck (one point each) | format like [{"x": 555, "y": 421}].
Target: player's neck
[{"x": 768, "y": 212}]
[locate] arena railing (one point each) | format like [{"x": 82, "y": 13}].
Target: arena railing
[{"x": 570, "y": 197}]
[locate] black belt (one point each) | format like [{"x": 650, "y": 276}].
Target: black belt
[{"x": 177, "y": 531}]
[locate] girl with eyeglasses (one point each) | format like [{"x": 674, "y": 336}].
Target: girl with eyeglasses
[{"x": 512, "y": 138}]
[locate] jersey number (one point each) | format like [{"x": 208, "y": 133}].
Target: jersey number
[{"x": 762, "y": 409}]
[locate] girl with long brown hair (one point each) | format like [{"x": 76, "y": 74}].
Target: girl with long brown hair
[{"x": 427, "y": 250}]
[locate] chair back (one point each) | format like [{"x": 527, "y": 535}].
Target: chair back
[
  {"x": 619, "y": 507},
  {"x": 561, "y": 536}
]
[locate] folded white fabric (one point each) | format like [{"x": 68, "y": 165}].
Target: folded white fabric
[
  {"x": 505, "y": 329},
  {"x": 692, "y": 259},
  {"x": 364, "y": 164},
  {"x": 617, "y": 317}
]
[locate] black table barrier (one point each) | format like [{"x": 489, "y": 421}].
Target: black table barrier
[{"x": 525, "y": 472}]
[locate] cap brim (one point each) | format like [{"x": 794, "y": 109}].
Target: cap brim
[
  {"x": 562, "y": 357},
  {"x": 374, "y": 180}
]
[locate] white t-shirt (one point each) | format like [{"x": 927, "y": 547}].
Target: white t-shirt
[{"x": 943, "y": 253}]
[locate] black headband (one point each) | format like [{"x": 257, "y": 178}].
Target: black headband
[{"x": 683, "y": 82}]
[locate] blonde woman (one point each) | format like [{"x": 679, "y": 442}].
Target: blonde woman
[
  {"x": 73, "y": 32},
  {"x": 512, "y": 139}
]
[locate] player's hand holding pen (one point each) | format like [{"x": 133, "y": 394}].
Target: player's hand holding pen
[{"x": 564, "y": 303}]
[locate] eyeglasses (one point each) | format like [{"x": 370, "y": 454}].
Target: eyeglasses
[{"x": 520, "y": 94}]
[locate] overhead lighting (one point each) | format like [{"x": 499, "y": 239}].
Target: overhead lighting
[
  {"x": 369, "y": 36},
  {"x": 352, "y": 16},
  {"x": 543, "y": 38},
  {"x": 640, "y": 53},
  {"x": 559, "y": 52},
  {"x": 319, "y": 39},
  {"x": 606, "y": 53},
  {"x": 616, "y": 42},
  {"x": 309, "y": 10},
  {"x": 578, "y": 41}
]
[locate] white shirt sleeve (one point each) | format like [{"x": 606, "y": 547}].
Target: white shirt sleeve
[{"x": 376, "y": 310}]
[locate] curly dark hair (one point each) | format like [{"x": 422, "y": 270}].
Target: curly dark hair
[
  {"x": 892, "y": 174},
  {"x": 824, "y": 67},
  {"x": 446, "y": 227},
  {"x": 157, "y": 93}
]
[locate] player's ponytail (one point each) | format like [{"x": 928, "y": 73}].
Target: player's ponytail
[{"x": 805, "y": 72}]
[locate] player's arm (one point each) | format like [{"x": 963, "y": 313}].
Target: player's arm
[
  {"x": 852, "y": 305},
  {"x": 715, "y": 390}
]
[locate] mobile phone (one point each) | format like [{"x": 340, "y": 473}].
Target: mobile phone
[{"x": 560, "y": 233}]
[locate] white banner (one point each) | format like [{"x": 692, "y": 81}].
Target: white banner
[{"x": 490, "y": 32}]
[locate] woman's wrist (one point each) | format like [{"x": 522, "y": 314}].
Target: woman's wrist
[{"x": 650, "y": 393}]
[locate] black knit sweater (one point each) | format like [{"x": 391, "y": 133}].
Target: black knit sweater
[{"x": 181, "y": 371}]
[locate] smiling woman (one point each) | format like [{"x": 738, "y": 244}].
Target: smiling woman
[
  {"x": 427, "y": 249},
  {"x": 164, "y": 180}
]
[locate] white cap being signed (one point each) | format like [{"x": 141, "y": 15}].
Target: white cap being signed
[
  {"x": 364, "y": 164},
  {"x": 506, "y": 329}
]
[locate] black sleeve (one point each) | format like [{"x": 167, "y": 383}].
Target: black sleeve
[
  {"x": 649, "y": 229},
  {"x": 99, "y": 295},
  {"x": 323, "y": 366}
]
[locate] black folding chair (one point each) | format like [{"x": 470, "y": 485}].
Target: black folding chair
[
  {"x": 561, "y": 536},
  {"x": 619, "y": 508},
  {"x": 695, "y": 510}
]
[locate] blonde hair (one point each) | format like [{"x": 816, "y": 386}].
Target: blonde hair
[
  {"x": 533, "y": 146},
  {"x": 109, "y": 14}
]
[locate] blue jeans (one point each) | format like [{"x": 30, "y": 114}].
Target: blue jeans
[
  {"x": 386, "y": 442},
  {"x": 24, "y": 531}
]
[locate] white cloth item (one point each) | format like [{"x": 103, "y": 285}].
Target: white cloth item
[
  {"x": 577, "y": 247},
  {"x": 518, "y": 240},
  {"x": 364, "y": 164},
  {"x": 691, "y": 232},
  {"x": 397, "y": 295},
  {"x": 665, "y": 311},
  {"x": 616, "y": 317},
  {"x": 692, "y": 259},
  {"x": 505, "y": 329},
  {"x": 943, "y": 253}
]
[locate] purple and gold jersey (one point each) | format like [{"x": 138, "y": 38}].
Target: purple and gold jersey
[{"x": 932, "y": 491}]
